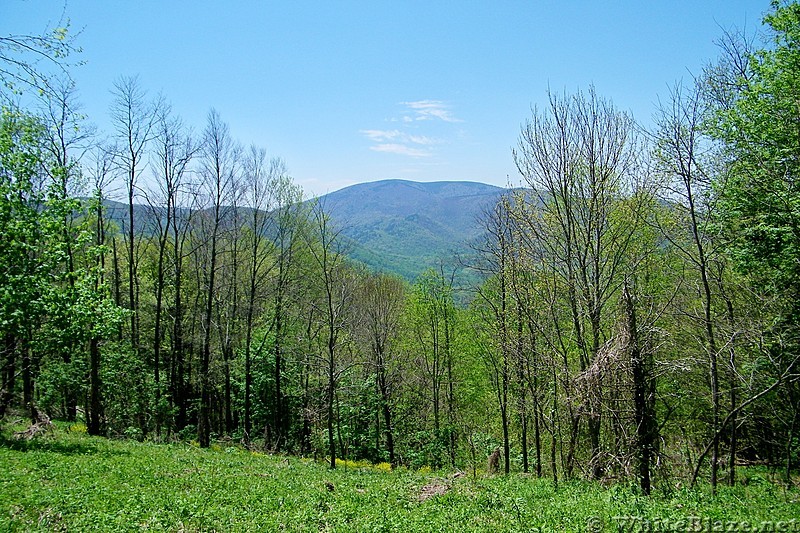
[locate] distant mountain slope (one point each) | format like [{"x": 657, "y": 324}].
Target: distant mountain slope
[
  {"x": 405, "y": 227},
  {"x": 396, "y": 226}
]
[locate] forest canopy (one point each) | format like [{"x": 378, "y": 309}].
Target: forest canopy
[{"x": 636, "y": 315}]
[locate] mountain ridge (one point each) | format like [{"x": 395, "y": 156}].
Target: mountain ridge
[
  {"x": 405, "y": 226},
  {"x": 397, "y": 226}
]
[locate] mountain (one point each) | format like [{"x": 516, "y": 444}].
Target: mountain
[
  {"x": 405, "y": 227},
  {"x": 396, "y": 226}
]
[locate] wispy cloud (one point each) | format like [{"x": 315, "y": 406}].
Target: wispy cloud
[
  {"x": 406, "y": 139},
  {"x": 430, "y": 110},
  {"x": 398, "y": 136},
  {"x": 401, "y": 149}
]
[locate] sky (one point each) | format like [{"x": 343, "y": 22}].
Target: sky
[{"x": 348, "y": 92}]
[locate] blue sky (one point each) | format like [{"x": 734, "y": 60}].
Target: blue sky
[{"x": 349, "y": 92}]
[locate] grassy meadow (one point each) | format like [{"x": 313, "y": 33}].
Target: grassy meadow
[{"x": 68, "y": 481}]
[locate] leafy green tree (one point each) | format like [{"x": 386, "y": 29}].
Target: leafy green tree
[
  {"x": 433, "y": 325},
  {"x": 379, "y": 310},
  {"x": 47, "y": 311},
  {"x": 760, "y": 193},
  {"x": 20, "y": 198}
]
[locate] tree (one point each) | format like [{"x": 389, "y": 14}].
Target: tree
[
  {"x": 433, "y": 326},
  {"x": 134, "y": 118},
  {"x": 258, "y": 194},
  {"x": 580, "y": 157},
  {"x": 380, "y": 305},
  {"x": 289, "y": 220},
  {"x": 755, "y": 121},
  {"x": 66, "y": 140},
  {"x": 337, "y": 286},
  {"x": 45, "y": 309},
  {"x": 20, "y": 157},
  {"x": 100, "y": 174},
  {"x": 496, "y": 294},
  {"x": 173, "y": 152},
  {"x": 687, "y": 164},
  {"x": 761, "y": 205},
  {"x": 220, "y": 170}
]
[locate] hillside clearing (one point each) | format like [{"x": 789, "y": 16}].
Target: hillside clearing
[{"x": 68, "y": 481}]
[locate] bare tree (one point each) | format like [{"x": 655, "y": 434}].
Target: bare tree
[
  {"x": 496, "y": 295},
  {"x": 173, "y": 151},
  {"x": 133, "y": 117},
  {"x": 288, "y": 222},
  {"x": 580, "y": 159},
  {"x": 101, "y": 171},
  {"x": 334, "y": 308},
  {"x": 259, "y": 195},
  {"x": 643, "y": 390},
  {"x": 687, "y": 162},
  {"x": 219, "y": 159},
  {"x": 433, "y": 328}
]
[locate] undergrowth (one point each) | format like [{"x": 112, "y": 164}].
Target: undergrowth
[{"x": 69, "y": 481}]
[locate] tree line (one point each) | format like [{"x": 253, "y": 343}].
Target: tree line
[{"x": 636, "y": 316}]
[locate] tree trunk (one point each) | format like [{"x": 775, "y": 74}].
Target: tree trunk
[
  {"x": 9, "y": 374},
  {"x": 387, "y": 422},
  {"x": 228, "y": 351},
  {"x": 790, "y": 441},
  {"x": 94, "y": 421},
  {"x": 248, "y": 373},
  {"x": 280, "y": 416},
  {"x": 331, "y": 386},
  {"x": 95, "y": 414},
  {"x": 642, "y": 376},
  {"x": 27, "y": 382},
  {"x": 117, "y": 280},
  {"x": 521, "y": 394},
  {"x": 553, "y": 432},
  {"x": 733, "y": 391},
  {"x": 537, "y": 436},
  {"x": 157, "y": 334},
  {"x": 305, "y": 437},
  {"x": 506, "y": 437},
  {"x": 132, "y": 274},
  {"x": 451, "y": 434},
  {"x": 178, "y": 378},
  {"x": 204, "y": 422}
]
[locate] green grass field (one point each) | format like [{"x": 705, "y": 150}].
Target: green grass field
[{"x": 68, "y": 481}]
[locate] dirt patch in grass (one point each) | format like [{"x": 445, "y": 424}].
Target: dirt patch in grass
[{"x": 436, "y": 487}]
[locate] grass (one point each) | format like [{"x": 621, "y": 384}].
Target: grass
[{"x": 69, "y": 481}]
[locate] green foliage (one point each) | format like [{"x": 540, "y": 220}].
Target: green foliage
[
  {"x": 52, "y": 299},
  {"x": 20, "y": 238},
  {"x": 70, "y": 481},
  {"x": 28, "y": 61},
  {"x": 761, "y": 197},
  {"x": 129, "y": 390},
  {"x": 330, "y": 367}
]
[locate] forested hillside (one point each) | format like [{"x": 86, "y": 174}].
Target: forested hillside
[
  {"x": 403, "y": 227},
  {"x": 393, "y": 226},
  {"x": 634, "y": 315}
]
